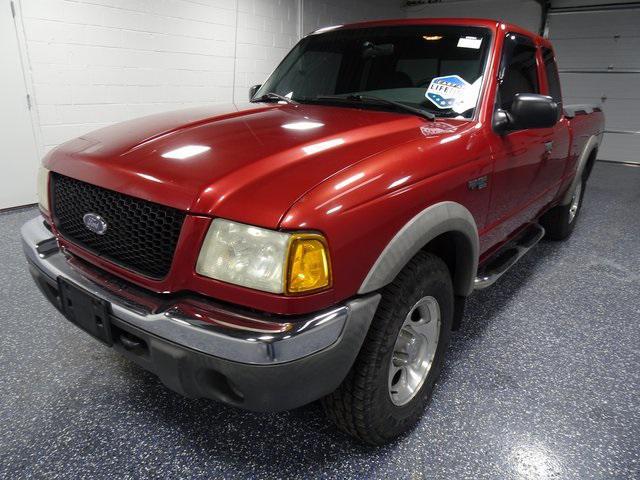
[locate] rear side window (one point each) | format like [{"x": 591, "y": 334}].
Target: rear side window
[
  {"x": 551, "y": 70},
  {"x": 518, "y": 71}
]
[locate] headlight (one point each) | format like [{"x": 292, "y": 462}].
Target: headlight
[
  {"x": 263, "y": 259},
  {"x": 43, "y": 188}
]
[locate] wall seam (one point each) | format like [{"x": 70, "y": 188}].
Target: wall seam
[
  {"x": 27, "y": 76},
  {"x": 300, "y": 19},
  {"x": 235, "y": 55}
]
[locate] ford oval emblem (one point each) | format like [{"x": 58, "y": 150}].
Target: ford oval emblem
[{"x": 95, "y": 223}]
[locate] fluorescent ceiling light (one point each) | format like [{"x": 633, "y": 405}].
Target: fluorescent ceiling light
[
  {"x": 451, "y": 138},
  {"x": 149, "y": 177},
  {"x": 349, "y": 181},
  {"x": 399, "y": 182},
  {"x": 186, "y": 152},
  {"x": 326, "y": 29},
  {"x": 320, "y": 146},
  {"x": 302, "y": 125}
]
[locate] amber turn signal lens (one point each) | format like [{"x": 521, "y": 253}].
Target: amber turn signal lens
[{"x": 309, "y": 267}]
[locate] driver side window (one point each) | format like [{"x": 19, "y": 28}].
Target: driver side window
[{"x": 518, "y": 70}]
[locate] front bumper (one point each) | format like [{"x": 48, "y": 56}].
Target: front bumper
[{"x": 202, "y": 348}]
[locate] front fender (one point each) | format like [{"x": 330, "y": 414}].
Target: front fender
[{"x": 430, "y": 223}]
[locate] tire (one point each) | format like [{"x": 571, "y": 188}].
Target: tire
[
  {"x": 560, "y": 221},
  {"x": 364, "y": 405}
]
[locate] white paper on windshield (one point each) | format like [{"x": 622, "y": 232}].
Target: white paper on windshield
[
  {"x": 469, "y": 97},
  {"x": 469, "y": 42}
]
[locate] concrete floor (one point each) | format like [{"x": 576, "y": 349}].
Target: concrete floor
[{"x": 543, "y": 381}]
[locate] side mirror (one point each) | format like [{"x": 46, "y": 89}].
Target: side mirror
[
  {"x": 528, "y": 110},
  {"x": 253, "y": 90}
]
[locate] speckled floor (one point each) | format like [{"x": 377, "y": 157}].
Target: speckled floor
[{"x": 542, "y": 382}]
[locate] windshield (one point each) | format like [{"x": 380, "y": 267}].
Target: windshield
[{"x": 436, "y": 68}]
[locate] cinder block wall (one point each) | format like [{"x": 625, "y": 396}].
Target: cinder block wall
[
  {"x": 322, "y": 13},
  {"x": 96, "y": 62}
]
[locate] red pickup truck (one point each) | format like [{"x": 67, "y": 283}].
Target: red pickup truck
[{"x": 319, "y": 241}]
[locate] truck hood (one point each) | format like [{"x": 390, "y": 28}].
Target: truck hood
[{"x": 249, "y": 163}]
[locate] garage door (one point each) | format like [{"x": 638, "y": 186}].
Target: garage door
[{"x": 598, "y": 53}]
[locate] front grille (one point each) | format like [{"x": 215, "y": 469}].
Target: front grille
[{"x": 140, "y": 235}]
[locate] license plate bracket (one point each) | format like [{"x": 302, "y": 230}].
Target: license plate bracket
[{"x": 85, "y": 310}]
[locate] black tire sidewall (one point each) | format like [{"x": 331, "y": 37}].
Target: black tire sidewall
[
  {"x": 556, "y": 221},
  {"x": 394, "y": 418}
]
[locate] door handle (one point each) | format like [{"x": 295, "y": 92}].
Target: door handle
[{"x": 548, "y": 146}]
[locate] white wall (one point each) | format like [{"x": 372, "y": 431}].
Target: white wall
[
  {"x": 322, "y": 13},
  {"x": 96, "y": 62},
  {"x": 525, "y": 13},
  {"x": 18, "y": 162},
  {"x": 267, "y": 29}
]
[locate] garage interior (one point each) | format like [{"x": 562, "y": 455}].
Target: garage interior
[{"x": 541, "y": 381}]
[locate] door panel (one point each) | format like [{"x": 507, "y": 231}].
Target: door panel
[
  {"x": 520, "y": 185},
  {"x": 521, "y": 159},
  {"x": 554, "y": 165}
]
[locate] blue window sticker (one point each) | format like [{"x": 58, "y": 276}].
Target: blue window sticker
[{"x": 445, "y": 92}]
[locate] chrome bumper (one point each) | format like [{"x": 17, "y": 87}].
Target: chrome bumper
[{"x": 231, "y": 334}]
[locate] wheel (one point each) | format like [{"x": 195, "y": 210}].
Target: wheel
[
  {"x": 560, "y": 221},
  {"x": 393, "y": 376}
]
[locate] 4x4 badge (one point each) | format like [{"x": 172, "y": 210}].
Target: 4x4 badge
[{"x": 478, "y": 183}]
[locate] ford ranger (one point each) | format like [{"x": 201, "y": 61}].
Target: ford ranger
[{"x": 318, "y": 241}]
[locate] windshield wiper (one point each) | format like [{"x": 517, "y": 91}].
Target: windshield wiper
[
  {"x": 356, "y": 97},
  {"x": 272, "y": 96}
]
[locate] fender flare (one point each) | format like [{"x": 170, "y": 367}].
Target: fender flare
[
  {"x": 589, "y": 147},
  {"x": 433, "y": 221}
]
